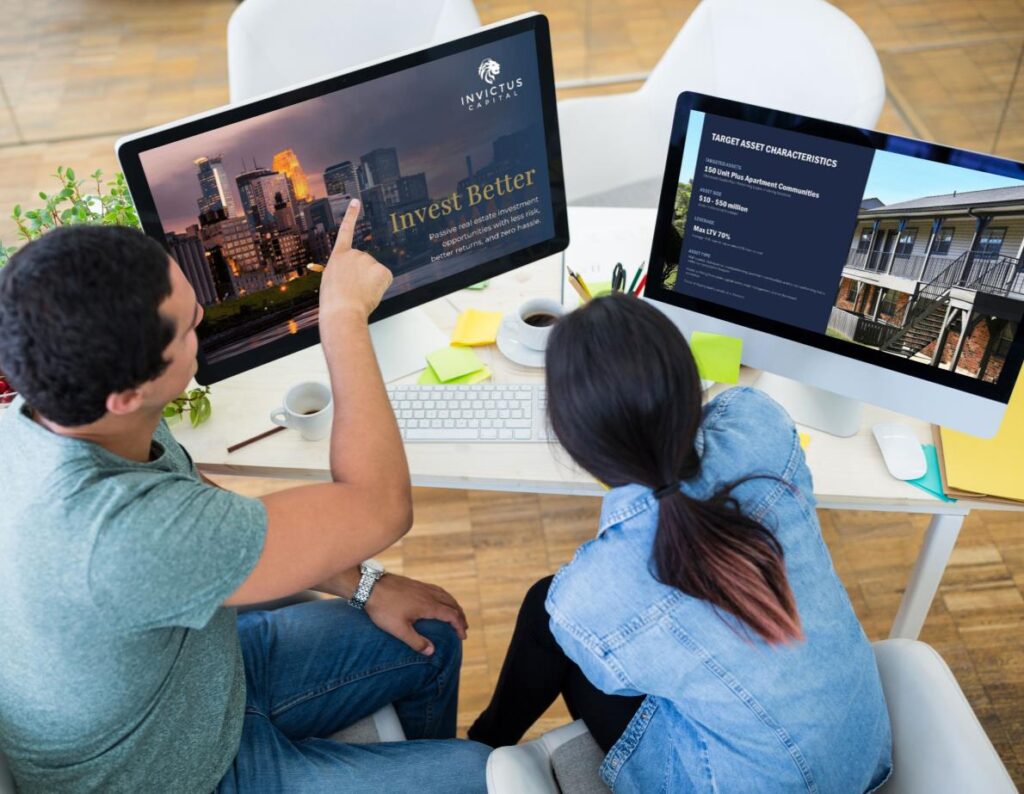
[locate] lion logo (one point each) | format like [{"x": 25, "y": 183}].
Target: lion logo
[{"x": 489, "y": 69}]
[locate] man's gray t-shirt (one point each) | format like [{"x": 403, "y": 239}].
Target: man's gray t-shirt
[{"x": 119, "y": 669}]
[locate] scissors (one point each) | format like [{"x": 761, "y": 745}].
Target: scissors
[{"x": 618, "y": 278}]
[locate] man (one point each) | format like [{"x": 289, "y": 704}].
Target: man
[{"x": 123, "y": 666}]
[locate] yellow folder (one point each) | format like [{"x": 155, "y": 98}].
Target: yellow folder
[{"x": 992, "y": 466}]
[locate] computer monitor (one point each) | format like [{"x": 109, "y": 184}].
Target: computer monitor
[
  {"x": 874, "y": 267},
  {"x": 453, "y": 151}
]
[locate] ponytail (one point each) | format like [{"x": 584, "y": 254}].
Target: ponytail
[
  {"x": 624, "y": 400},
  {"x": 712, "y": 551}
]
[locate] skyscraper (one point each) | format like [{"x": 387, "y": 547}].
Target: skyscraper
[
  {"x": 188, "y": 252},
  {"x": 257, "y": 189},
  {"x": 340, "y": 179},
  {"x": 379, "y": 166},
  {"x": 215, "y": 187},
  {"x": 287, "y": 162}
]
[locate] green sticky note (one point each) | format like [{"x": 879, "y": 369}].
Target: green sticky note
[
  {"x": 480, "y": 285},
  {"x": 454, "y": 362},
  {"x": 717, "y": 356},
  {"x": 931, "y": 482},
  {"x": 429, "y": 378}
]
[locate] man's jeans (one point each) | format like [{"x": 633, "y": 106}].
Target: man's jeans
[{"x": 315, "y": 668}]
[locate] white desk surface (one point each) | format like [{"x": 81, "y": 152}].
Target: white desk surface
[{"x": 848, "y": 473}]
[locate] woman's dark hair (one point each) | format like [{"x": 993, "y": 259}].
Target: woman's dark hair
[
  {"x": 79, "y": 319},
  {"x": 624, "y": 399}
]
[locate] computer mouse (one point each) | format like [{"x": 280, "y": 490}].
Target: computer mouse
[{"x": 901, "y": 450}]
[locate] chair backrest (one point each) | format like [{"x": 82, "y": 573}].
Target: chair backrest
[
  {"x": 803, "y": 56},
  {"x": 273, "y": 44},
  {"x": 939, "y": 746}
]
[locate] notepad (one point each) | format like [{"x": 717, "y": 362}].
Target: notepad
[
  {"x": 931, "y": 482},
  {"x": 989, "y": 465},
  {"x": 475, "y": 327},
  {"x": 429, "y": 378},
  {"x": 449, "y": 363},
  {"x": 718, "y": 357}
]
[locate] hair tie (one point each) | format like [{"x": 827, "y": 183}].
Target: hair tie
[{"x": 666, "y": 490}]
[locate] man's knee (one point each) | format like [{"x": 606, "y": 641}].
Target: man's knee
[{"x": 447, "y": 645}]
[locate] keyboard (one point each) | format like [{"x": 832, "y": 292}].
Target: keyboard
[{"x": 488, "y": 412}]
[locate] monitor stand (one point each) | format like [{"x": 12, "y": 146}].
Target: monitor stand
[
  {"x": 813, "y": 407},
  {"x": 403, "y": 341}
]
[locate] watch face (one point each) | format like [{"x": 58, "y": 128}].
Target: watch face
[{"x": 373, "y": 567}]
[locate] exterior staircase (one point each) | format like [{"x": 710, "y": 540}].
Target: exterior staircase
[
  {"x": 920, "y": 333},
  {"x": 924, "y": 320}
]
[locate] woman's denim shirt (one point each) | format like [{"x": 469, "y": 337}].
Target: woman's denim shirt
[{"x": 725, "y": 711}]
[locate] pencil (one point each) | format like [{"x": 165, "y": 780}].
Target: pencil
[
  {"x": 640, "y": 286},
  {"x": 578, "y": 289},
  {"x": 636, "y": 277},
  {"x": 583, "y": 284},
  {"x": 249, "y": 441}
]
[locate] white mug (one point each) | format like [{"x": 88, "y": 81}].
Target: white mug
[
  {"x": 536, "y": 336},
  {"x": 308, "y": 408}
]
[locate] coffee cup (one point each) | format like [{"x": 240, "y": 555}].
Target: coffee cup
[
  {"x": 534, "y": 319},
  {"x": 308, "y": 408}
]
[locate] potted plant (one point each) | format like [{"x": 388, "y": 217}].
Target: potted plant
[{"x": 96, "y": 202}]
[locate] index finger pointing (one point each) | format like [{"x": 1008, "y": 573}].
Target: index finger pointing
[{"x": 348, "y": 225}]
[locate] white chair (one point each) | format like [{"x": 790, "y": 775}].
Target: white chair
[
  {"x": 939, "y": 747},
  {"x": 803, "y": 56},
  {"x": 381, "y": 726},
  {"x": 273, "y": 44}
]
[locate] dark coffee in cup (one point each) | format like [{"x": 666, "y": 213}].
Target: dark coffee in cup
[{"x": 540, "y": 319}]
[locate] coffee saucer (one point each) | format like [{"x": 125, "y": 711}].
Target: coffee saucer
[{"x": 513, "y": 348}]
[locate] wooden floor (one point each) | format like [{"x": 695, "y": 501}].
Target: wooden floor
[{"x": 76, "y": 75}]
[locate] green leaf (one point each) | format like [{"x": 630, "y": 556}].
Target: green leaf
[
  {"x": 205, "y": 409},
  {"x": 70, "y": 174},
  {"x": 171, "y": 411},
  {"x": 17, "y": 211},
  {"x": 42, "y": 195}
]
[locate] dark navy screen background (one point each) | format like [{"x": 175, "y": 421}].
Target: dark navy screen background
[{"x": 781, "y": 258}]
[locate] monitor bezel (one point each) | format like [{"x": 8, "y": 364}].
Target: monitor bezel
[
  {"x": 653, "y": 289},
  {"x": 130, "y": 149}
]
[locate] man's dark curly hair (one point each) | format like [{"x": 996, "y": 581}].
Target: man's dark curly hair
[{"x": 79, "y": 319}]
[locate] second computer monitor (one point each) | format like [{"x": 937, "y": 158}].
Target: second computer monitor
[{"x": 876, "y": 267}]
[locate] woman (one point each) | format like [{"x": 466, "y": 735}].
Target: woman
[{"x": 703, "y": 636}]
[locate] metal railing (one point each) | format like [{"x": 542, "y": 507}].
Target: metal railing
[
  {"x": 1001, "y": 275},
  {"x": 911, "y": 267}
]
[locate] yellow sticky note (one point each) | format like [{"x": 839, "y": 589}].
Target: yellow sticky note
[
  {"x": 717, "y": 356},
  {"x": 449, "y": 363},
  {"x": 805, "y": 439},
  {"x": 475, "y": 327},
  {"x": 429, "y": 378}
]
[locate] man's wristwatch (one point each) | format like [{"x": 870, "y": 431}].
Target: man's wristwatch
[{"x": 370, "y": 571}]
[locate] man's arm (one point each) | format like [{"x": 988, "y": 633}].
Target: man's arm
[{"x": 315, "y": 531}]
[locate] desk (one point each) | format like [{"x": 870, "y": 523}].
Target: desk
[{"x": 848, "y": 472}]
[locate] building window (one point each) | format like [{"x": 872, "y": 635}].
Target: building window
[
  {"x": 943, "y": 241},
  {"x": 864, "y": 240},
  {"x": 1002, "y": 346},
  {"x": 989, "y": 243},
  {"x": 851, "y": 291},
  {"x": 887, "y": 304},
  {"x": 906, "y": 243}
]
